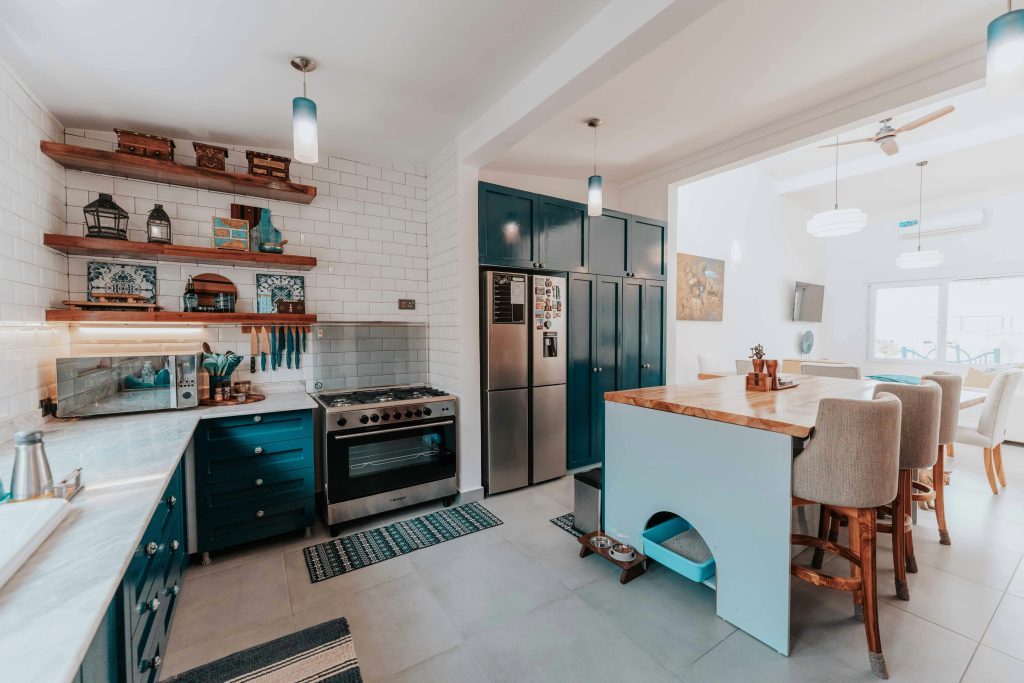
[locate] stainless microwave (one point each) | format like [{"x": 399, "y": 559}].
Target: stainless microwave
[{"x": 107, "y": 385}]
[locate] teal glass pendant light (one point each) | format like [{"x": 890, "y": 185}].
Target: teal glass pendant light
[
  {"x": 304, "y": 130},
  {"x": 595, "y": 192},
  {"x": 1004, "y": 61}
]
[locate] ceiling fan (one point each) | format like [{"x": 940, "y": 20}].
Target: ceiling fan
[{"x": 886, "y": 135}]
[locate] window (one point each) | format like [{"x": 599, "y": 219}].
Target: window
[{"x": 971, "y": 322}]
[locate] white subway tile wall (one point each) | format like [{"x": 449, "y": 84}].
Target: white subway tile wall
[
  {"x": 32, "y": 277},
  {"x": 443, "y": 268}
]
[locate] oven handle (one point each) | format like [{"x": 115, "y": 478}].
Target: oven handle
[{"x": 396, "y": 429}]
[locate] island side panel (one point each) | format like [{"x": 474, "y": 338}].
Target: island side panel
[{"x": 732, "y": 483}]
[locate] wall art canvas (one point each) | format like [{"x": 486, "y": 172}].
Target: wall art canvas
[
  {"x": 121, "y": 278},
  {"x": 230, "y": 233},
  {"x": 700, "y": 287},
  {"x": 271, "y": 287}
]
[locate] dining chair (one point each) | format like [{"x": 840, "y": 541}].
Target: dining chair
[
  {"x": 830, "y": 370},
  {"x": 951, "y": 385},
  {"x": 744, "y": 366},
  {"x": 850, "y": 467},
  {"x": 710, "y": 362},
  {"x": 991, "y": 428}
]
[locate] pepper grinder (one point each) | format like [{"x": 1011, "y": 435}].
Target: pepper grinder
[{"x": 31, "y": 477}]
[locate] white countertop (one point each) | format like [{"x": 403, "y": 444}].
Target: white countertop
[{"x": 51, "y": 608}]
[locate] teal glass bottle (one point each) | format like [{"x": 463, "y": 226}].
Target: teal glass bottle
[{"x": 270, "y": 237}]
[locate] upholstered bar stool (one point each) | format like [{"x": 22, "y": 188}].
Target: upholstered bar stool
[
  {"x": 919, "y": 445},
  {"x": 951, "y": 385},
  {"x": 849, "y": 466}
]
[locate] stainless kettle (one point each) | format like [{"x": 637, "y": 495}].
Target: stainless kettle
[{"x": 31, "y": 477}]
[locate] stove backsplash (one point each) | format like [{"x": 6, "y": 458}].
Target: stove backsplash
[{"x": 337, "y": 356}]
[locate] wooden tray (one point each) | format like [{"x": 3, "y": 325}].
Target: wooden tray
[
  {"x": 630, "y": 570},
  {"x": 209, "y": 285},
  {"x": 249, "y": 398},
  {"x": 111, "y": 305}
]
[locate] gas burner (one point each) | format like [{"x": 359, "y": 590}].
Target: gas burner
[{"x": 361, "y": 397}]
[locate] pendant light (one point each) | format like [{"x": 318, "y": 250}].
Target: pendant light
[
  {"x": 928, "y": 258},
  {"x": 595, "y": 195},
  {"x": 837, "y": 221},
  {"x": 304, "y": 133},
  {"x": 1004, "y": 60}
]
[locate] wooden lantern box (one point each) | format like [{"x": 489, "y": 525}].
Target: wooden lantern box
[
  {"x": 144, "y": 145},
  {"x": 263, "y": 164},
  {"x": 210, "y": 156}
]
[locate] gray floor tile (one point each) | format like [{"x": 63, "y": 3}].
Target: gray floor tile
[
  {"x": 1006, "y": 632},
  {"x": 558, "y": 552},
  {"x": 741, "y": 657},
  {"x": 489, "y": 585},
  {"x": 1016, "y": 586},
  {"x": 394, "y": 625},
  {"x": 650, "y": 611},
  {"x": 992, "y": 666},
  {"x": 179, "y": 659},
  {"x": 976, "y": 526},
  {"x": 453, "y": 666},
  {"x": 564, "y": 641},
  {"x": 979, "y": 562},
  {"x": 305, "y": 594}
]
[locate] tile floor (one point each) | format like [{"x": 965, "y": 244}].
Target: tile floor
[{"x": 515, "y": 603}]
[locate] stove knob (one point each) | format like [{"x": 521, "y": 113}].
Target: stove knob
[
  {"x": 418, "y": 413},
  {"x": 408, "y": 413},
  {"x": 375, "y": 417},
  {"x": 364, "y": 419},
  {"x": 397, "y": 415},
  {"x": 427, "y": 411},
  {"x": 385, "y": 416},
  {"x": 341, "y": 421}
]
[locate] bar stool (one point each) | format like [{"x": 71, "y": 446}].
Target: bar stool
[
  {"x": 919, "y": 446},
  {"x": 951, "y": 385},
  {"x": 850, "y": 466}
]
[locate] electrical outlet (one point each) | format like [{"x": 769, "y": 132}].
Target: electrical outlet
[
  {"x": 407, "y": 304},
  {"x": 319, "y": 333}
]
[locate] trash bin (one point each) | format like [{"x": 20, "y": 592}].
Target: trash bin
[{"x": 587, "y": 500}]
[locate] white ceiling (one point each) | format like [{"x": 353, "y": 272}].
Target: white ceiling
[
  {"x": 398, "y": 79},
  {"x": 744, "y": 65}
]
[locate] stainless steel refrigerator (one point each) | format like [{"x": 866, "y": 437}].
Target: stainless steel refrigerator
[{"x": 523, "y": 373}]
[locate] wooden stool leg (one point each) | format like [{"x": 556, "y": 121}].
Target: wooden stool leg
[
  {"x": 950, "y": 450},
  {"x": 866, "y": 534},
  {"x": 908, "y": 546},
  {"x": 939, "y": 475},
  {"x": 855, "y": 567},
  {"x": 899, "y": 554},
  {"x": 990, "y": 471},
  {"x": 824, "y": 518},
  {"x": 997, "y": 452}
]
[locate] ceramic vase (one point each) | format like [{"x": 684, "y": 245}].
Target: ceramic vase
[{"x": 269, "y": 236}]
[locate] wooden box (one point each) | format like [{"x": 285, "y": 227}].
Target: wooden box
[
  {"x": 210, "y": 156},
  {"x": 759, "y": 381},
  {"x": 144, "y": 144},
  {"x": 261, "y": 163},
  {"x": 290, "y": 306}
]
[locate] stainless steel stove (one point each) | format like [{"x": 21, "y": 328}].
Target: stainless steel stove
[{"x": 385, "y": 448}]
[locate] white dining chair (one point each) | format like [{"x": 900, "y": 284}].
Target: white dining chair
[
  {"x": 744, "y": 366},
  {"x": 709, "y": 362},
  {"x": 830, "y": 370},
  {"x": 991, "y": 428}
]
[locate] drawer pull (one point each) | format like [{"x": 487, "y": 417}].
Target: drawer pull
[
  {"x": 153, "y": 605},
  {"x": 258, "y": 450},
  {"x": 174, "y": 590},
  {"x": 258, "y": 482},
  {"x": 259, "y": 514},
  {"x": 175, "y": 544},
  {"x": 257, "y": 418},
  {"x": 151, "y": 548},
  {"x": 171, "y": 501},
  {"x": 147, "y": 664}
]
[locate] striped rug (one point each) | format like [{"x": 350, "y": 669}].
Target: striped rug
[
  {"x": 348, "y": 553},
  {"x": 567, "y": 522},
  {"x": 320, "y": 653}
]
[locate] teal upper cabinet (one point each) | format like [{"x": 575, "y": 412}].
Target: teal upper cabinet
[
  {"x": 646, "y": 248},
  {"x": 652, "y": 339},
  {"x": 609, "y": 245},
  {"x": 563, "y": 235},
  {"x": 508, "y": 227}
]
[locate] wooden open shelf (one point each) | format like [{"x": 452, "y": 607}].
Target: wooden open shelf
[
  {"x": 152, "y": 251},
  {"x": 145, "y": 168},
  {"x": 61, "y": 315}
]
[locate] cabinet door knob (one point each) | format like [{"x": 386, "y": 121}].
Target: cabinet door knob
[
  {"x": 175, "y": 544},
  {"x": 600, "y": 369},
  {"x": 258, "y": 482},
  {"x": 257, "y": 418},
  {"x": 171, "y": 501},
  {"x": 175, "y": 589},
  {"x": 155, "y": 662},
  {"x": 596, "y": 370},
  {"x": 258, "y": 450},
  {"x": 153, "y": 605},
  {"x": 151, "y": 548},
  {"x": 259, "y": 514}
]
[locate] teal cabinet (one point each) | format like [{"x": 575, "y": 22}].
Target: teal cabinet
[
  {"x": 646, "y": 248},
  {"x": 563, "y": 235},
  {"x": 632, "y": 333},
  {"x": 652, "y": 340},
  {"x": 508, "y": 230},
  {"x": 580, "y": 300},
  {"x": 104, "y": 661},
  {"x": 254, "y": 477},
  {"x": 609, "y": 244},
  {"x": 607, "y": 336}
]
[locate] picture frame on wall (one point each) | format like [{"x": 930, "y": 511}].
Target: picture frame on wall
[
  {"x": 700, "y": 288},
  {"x": 230, "y": 233},
  {"x": 275, "y": 291},
  {"x": 103, "y": 277}
]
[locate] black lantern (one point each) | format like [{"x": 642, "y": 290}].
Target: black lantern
[
  {"x": 104, "y": 218},
  {"x": 158, "y": 225}
]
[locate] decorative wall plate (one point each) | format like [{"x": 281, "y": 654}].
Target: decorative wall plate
[
  {"x": 121, "y": 278},
  {"x": 271, "y": 287},
  {"x": 806, "y": 342}
]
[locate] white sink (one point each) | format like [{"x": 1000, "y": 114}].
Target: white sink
[{"x": 23, "y": 528}]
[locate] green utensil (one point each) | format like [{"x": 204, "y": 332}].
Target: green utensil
[
  {"x": 273, "y": 349},
  {"x": 288, "y": 346}
]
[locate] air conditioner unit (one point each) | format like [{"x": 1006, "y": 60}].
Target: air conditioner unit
[{"x": 946, "y": 222}]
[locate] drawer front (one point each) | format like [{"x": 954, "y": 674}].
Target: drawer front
[
  {"x": 254, "y": 523},
  {"x": 224, "y": 464},
  {"x": 148, "y": 634},
  {"x": 253, "y": 430},
  {"x": 250, "y": 493}
]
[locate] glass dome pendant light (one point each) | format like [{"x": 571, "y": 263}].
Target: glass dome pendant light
[
  {"x": 304, "y": 129},
  {"x": 595, "y": 194},
  {"x": 837, "y": 221},
  {"x": 1004, "y": 57},
  {"x": 928, "y": 258}
]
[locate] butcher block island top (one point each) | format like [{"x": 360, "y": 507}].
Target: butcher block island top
[{"x": 726, "y": 399}]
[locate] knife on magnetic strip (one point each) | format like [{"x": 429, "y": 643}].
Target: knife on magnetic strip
[{"x": 264, "y": 347}]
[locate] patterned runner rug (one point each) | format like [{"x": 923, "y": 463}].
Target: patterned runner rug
[
  {"x": 567, "y": 522},
  {"x": 320, "y": 653},
  {"x": 348, "y": 553}
]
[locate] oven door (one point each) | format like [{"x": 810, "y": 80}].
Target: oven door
[{"x": 378, "y": 459}]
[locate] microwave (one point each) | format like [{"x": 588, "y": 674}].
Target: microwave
[{"x": 109, "y": 385}]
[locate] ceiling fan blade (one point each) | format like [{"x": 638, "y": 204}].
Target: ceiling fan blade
[
  {"x": 848, "y": 142},
  {"x": 889, "y": 146},
  {"x": 917, "y": 123}
]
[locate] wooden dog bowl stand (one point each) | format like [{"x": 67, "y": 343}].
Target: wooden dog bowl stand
[{"x": 630, "y": 570}]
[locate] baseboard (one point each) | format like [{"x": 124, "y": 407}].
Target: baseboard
[{"x": 472, "y": 495}]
